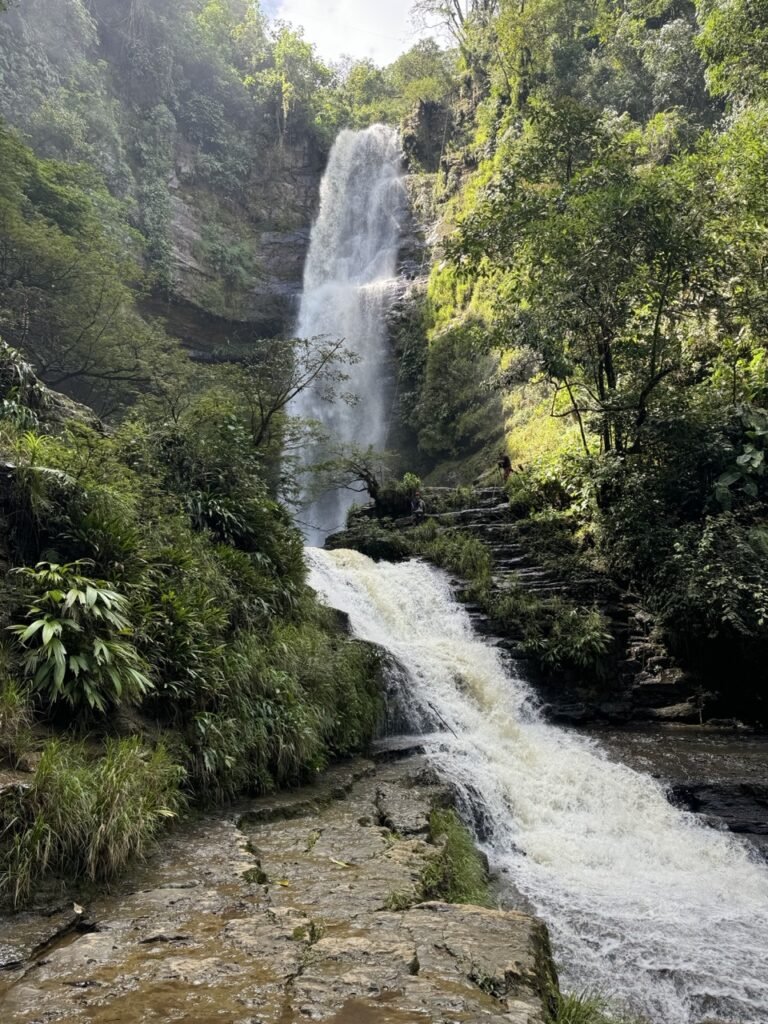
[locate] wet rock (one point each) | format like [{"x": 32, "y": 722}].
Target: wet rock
[
  {"x": 316, "y": 941},
  {"x": 568, "y": 714},
  {"x": 397, "y": 748},
  {"x": 743, "y": 807},
  {"x": 405, "y": 811},
  {"x": 688, "y": 712},
  {"x": 24, "y": 936}
]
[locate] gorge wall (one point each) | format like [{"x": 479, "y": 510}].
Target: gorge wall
[{"x": 154, "y": 99}]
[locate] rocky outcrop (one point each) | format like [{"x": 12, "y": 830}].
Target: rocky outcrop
[
  {"x": 241, "y": 262},
  {"x": 281, "y": 911}
]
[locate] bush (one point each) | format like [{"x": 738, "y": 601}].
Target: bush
[
  {"x": 557, "y": 632},
  {"x": 394, "y": 497}
]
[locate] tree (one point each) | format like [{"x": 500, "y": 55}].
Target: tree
[
  {"x": 68, "y": 262},
  {"x": 734, "y": 43},
  {"x": 294, "y": 79},
  {"x": 264, "y": 381},
  {"x": 457, "y": 16},
  {"x": 468, "y": 22},
  {"x": 607, "y": 267}
]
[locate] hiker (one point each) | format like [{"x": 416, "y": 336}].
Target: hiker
[
  {"x": 418, "y": 508},
  {"x": 505, "y": 465}
]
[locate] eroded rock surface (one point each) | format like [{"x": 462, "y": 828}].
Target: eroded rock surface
[{"x": 280, "y": 911}]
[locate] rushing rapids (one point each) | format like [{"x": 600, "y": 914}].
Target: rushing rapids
[
  {"x": 643, "y": 901},
  {"x": 348, "y": 285}
]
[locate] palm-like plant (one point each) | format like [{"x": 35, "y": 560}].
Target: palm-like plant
[{"x": 76, "y": 639}]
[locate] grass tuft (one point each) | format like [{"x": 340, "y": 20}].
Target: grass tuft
[
  {"x": 458, "y": 874},
  {"x": 589, "y": 1008},
  {"x": 86, "y": 817}
]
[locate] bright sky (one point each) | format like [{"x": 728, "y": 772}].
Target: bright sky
[{"x": 379, "y": 29}]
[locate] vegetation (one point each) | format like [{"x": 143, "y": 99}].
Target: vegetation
[
  {"x": 86, "y": 817},
  {"x": 588, "y": 1008},
  {"x": 458, "y": 874},
  {"x": 603, "y": 224},
  {"x": 157, "y": 582}
]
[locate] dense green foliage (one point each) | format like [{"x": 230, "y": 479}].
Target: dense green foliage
[
  {"x": 158, "y": 584},
  {"x": 605, "y": 227}
]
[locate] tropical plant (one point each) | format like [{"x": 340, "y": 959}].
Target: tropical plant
[{"x": 76, "y": 639}]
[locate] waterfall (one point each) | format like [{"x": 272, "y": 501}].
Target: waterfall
[
  {"x": 643, "y": 901},
  {"x": 349, "y": 283}
]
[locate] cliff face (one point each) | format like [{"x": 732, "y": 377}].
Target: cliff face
[
  {"x": 223, "y": 200},
  {"x": 269, "y": 227}
]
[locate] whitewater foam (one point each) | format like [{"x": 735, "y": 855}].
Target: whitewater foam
[{"x": 643, "y": 901}]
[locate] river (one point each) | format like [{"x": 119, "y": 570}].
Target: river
[{"x": 644, "y": 901}]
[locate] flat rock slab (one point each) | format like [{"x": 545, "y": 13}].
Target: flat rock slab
[{"x": 279, "y": 912}]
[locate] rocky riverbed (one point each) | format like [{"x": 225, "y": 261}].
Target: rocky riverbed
[{"x": 278, "y": 911}]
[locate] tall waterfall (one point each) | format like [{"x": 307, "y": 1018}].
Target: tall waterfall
[
  {"x": 348, "y": 287},
  {"x": 643, "y": 901}
]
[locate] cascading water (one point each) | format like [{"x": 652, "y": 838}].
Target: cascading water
[
  {"x": 348, "y": 286},
  {"x": 643, "y": 901}
]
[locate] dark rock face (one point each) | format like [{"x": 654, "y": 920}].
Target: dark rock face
[
  {"x": 273, "y": 226},
  {"x": 743, "y": 807},
  {"x": 424, "y": 135}
]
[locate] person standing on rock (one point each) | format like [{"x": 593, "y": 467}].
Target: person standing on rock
[{"x": 418, "y": 508}]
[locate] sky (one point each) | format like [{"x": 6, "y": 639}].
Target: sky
[{"x": 379, "y": 29}]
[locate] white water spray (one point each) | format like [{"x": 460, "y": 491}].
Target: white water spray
[
  {"x": 348, "y": 287},
  {"x": 643, "y": 901}
]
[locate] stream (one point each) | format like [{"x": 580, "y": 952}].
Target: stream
[{"x": 644, "y": 901}]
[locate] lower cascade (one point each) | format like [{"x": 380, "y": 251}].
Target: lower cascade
[{"x": 643, "y": 901}]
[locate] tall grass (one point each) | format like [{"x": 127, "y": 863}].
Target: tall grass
[
  {"x": 86, "y": 817},
  {"x": 460, "y": 552},
  {"x": 458, "y": 874},
  {"x": 292, "y": 699},
  {"x": 589, "y": 1008},
  {"x": 15, "y": 720}
]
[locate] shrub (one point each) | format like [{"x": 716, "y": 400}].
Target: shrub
[
  {"x": 75, "y": 641},
  {"x": 559, "y": 633},
  {"x": 394, "y": 497}
]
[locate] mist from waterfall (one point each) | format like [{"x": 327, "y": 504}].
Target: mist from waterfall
[
  {"x": 349, "y": 284},
  {"x": 643, "y": 901}
]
